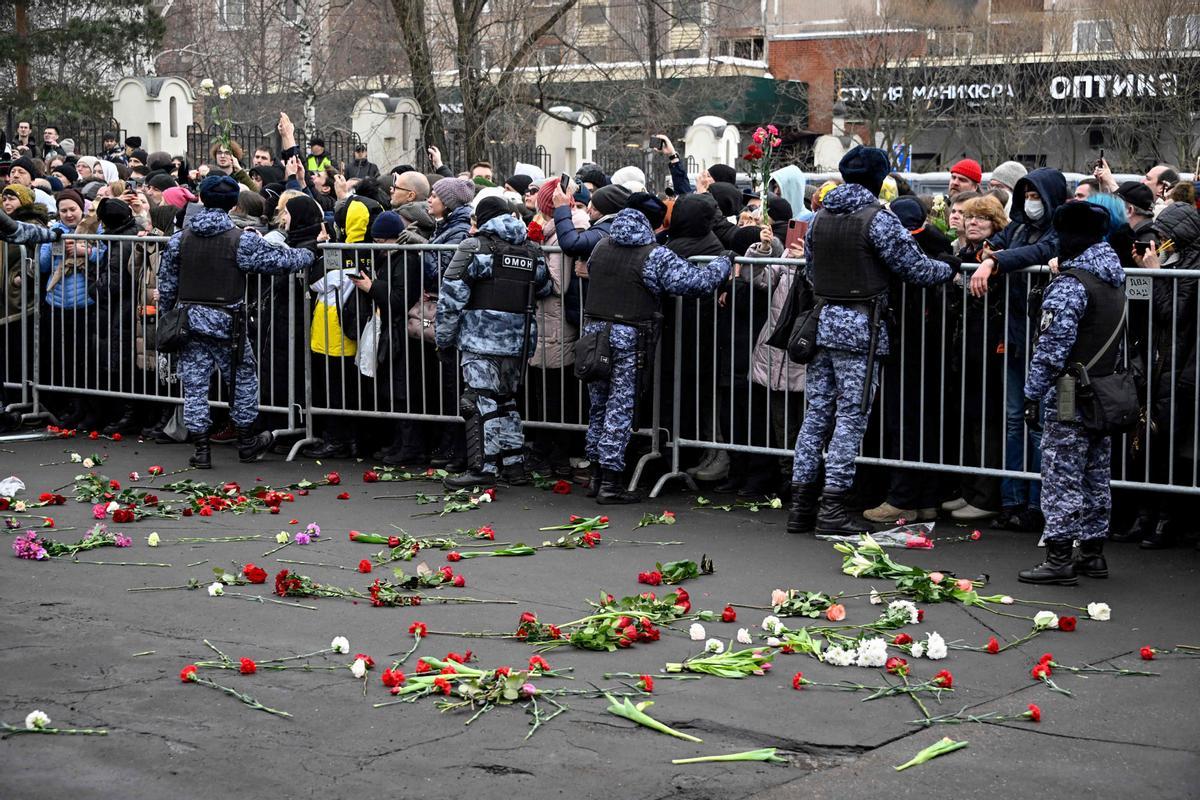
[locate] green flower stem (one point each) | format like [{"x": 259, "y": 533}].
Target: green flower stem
[
  {"x": 316, "y": 564},
  {"x": 245, "y": 698},
  {"x": 1104, "y": 670},
  {"x": 17, "y": 730},
  {"x": 416, "y": 643},
  {"x": 255, "y": 598},
  {"x": 119, "y": 563},
  {"x": 765, "y": 754}
]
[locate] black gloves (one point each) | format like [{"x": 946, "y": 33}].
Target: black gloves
[
  {"x": 1033, "y": 414},
  {"x": 953, "y": 261}
]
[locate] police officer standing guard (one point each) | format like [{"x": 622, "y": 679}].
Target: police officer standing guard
[
  {"x": 204, "y": 269},
  {"x": 1083, "y": 311},
  {"x": 485, "y": 309},
  {"x": 854, "y": 248}
]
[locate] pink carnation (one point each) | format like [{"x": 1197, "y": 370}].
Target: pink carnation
[{"x": 99, "y": 511}]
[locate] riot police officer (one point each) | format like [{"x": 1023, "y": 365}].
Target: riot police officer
[
  {"x": 485, "y": 309},
  {"x": 204, "y": 268},
  {"x": 855, "y": 246},
  {"x": 1083, "y": 312}
]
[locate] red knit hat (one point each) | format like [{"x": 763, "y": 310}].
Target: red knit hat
[
  {"x": 545, "y": 197},
  {"x": 969, "y": 169}
]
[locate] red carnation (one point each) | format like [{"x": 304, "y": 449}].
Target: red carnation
[
  {"x": 604, "y": 520},
  {"x": 393, "y": 541},
  {"x": 459, "y": 582},
  {"x": 646, "y": 684},
  {"x": 94, "y": 435},
  {"x": 993, "y": 646},
  {"x": 528, "y": 617},
  {"x": 422, "y": 666},
  {"x": 392, "y": 678},
  {"x": 561, "y": 487},
  {"x": 1041, "y": 672},
  {"x": 653, "y": 578},
  {"x": 798, "y": 681},
  {"x": 920, "y": 615},
  {"x": 1034, "y": 713},
  {"x": 538, "y": 663},
  {"x": 488, "y": 531},
  {"x": 344, "y": 496},
  {"x": 728, "y": 615},
  {"x": 155, "y": 470},
  {"x": 333, "y": 478},
  {"x": 454, "y": 657},
  {"x": 114, "y": 485},
  {"x": 418, "y": 629},
  {"x": 187, "y": 512},
  {"x": 1148, "y": 653},
  {"x": 1046, "y": 658},
  {"x": 944, "y": 679},
  {"x": 122, "y": 516},
  {"x": 447, "y": 572},
  {"x": 254, "y": 574},
  {"x": 248, "y": 667},
  {"x": 364, "y": 566},
  {"x": 454, "y": 555},
  {"x": 370, "y": 476},
  {"x": 206, "y": 511},
  {"x": 116, "y": 437},
  {"x": 503, "y": 671},
  {"x": 902, "y": 638},
  {"x": 370, "y": 662},
  {"x": 188, "y": 673},
  {"x": 45, "y": 497},
  {"x": 4, "y": 503},
  {"x": 896, "y": 665},
  {"x": 1067, "y": 624},
  {"x": 442, "y": 684}
]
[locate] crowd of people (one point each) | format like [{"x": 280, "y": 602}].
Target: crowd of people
[{"x": 488, "y": 328}]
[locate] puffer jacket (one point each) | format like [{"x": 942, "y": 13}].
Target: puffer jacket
[
  {"x": 556, "y": 339},
  {"x": 771, "y": 366},
  {"x": 451, "y": 229},
  {"x": 68, "y": 283}
]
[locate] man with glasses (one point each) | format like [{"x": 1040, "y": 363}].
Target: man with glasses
[{"x": 409, "y": 187}]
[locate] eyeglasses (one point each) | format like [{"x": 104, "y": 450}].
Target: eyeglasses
[
  {"x": 224, "y": 152},
  {"x": 975, "y": 218}
]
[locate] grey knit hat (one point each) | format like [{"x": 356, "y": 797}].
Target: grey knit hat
[
  {"x": 1009, "y": 173},
  {"x": 454, "y": 192}
]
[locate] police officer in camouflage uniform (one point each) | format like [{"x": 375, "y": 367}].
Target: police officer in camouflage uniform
[
  {"x": 629, "y": 274},
  {"x": 1081, "y": 310},
  {"x": 204, "y": 268},
  {"x": 485, "y": 309},
  {"x": 855, "y": 246}
]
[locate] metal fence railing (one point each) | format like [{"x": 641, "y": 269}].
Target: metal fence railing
[{"x": 948, "y": 406}]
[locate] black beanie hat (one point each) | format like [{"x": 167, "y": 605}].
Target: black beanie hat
[
  {"x": 1080, "y": 225},
  {"x": 723, "y": 173},
  {"x": 161, "y": 181},
  {"x": 489, "y": 208},
  {"x": 591, "y": 173},
  {"x": 26, "y": 163},
  {"x": 68, "y": 171},
  {"x": 520, "y": 183},
  {"x": 113, "y": 214},
  {"x": 219, "y": 191},
  {"x": 910, "y": 212},
  {"x": 304, "y": 212},
  {"x": 865, "y": 166},
  {"x": 610, "y": 199},
  {"x": 140, "y": 154},
  {"x": 653, "y": 208}
]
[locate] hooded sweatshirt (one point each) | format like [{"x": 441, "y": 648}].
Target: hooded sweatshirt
[
  {"x": 1026, "y": 242},
  {"x": 848, "y": 328},
  {"x": 484, "y": 331},
  {"x": 791, "y": 181},
  {"x": 1063, "y": 306}
]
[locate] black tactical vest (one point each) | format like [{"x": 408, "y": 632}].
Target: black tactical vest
[
  {"x": 847, "y": 268},
  {"x": 616, "y": 291},
  {"x": 1105, "y": 307},
  {"x": 208, "y": 269},
  {"x": 514, "y": 269}
]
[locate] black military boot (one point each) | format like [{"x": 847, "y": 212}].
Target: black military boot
[
  {"x": 597, "y": 477},
  {"x": 1165, "y": 534},
  {"x": 127, "y": 423},
  {"x": 802, "y": 515},
  {"x": 514, "y": 474},
  {"x": 612, "y": 490},
  {"x": 1142, "y": 527},
  {"x": 1091, "y": 563},
  {"x": 471, "y": 479},
  {"x": 833, "y": 518},
  {"x": 251, "y": 446},
  {"x": 202, "y": 458},
  {"x": 1058, "y": 568}
]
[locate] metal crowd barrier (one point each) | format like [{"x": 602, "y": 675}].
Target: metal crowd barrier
[{"x": 948, "y": 398}]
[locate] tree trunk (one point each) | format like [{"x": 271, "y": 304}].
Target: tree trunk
[
  {"x": 411, "y": 16},
  {"x": 652, "y": 42},
  {"x": 21, "y": 21},
  {"x": 308, "y": 89}
]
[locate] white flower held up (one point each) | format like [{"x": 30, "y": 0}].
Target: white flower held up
[
  {"x": 37, "y": 720},
  {"x": 225, "y": 91},
  {"x": 1099, "y": 612},
  {"x": 743, "y": 636},
  {"x": 340, "y": 644},
  {"x": 714, "y": 646},
  {"x": 359, "y": 668},
  {"x": 696, "y": 631},
  {"x": 207, "y": 85},
  {"x": 216, "y": 589},
  {"x": 936, "y": 649},
  {"x": 1045, "y": 619}
]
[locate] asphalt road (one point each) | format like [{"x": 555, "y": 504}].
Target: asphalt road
[{"x": 70, "y": 632}]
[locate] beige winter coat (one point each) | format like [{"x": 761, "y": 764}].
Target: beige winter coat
[{"x": 556, "y": 337}]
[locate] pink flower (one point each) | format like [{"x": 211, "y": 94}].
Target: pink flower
[
  {"x": 776, "y": 141},
  {"x": 778, "y": 597},
  {"x": 836, "y": 612},
  {"x": 771, "y": 129},
  {"x": 918, "y": 543},
  {"x": 936, "y": 577},
  {"x": 99, "y": 511},
  {"x": 759, "y": 137},
  {"x": 964, "y": 584}
]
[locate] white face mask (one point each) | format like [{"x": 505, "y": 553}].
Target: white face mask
[{"x": 1034, "y": 209}]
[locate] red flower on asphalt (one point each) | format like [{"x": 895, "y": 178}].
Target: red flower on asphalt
[
  {"x": 458, "y": 582},
  {"x": 393, "y": 541},
  {"x": 604, "y": 520},
  {"x": 187, "y": 512},
  {"x": 248, "y": 667},
  {"x": 116, "y": 437},
  {"x": 920, "y": 615},
  {"x": 646, "y": 683},
  {"x": 1034, "y": 713},
  {"x": 653, "y": 578},
  {"x": 1041, "y": 671},
  {"x": 333, "y": 478},
  {"x": 155, "y": 470},
  {"x": 94, "y": 435},
  {"x": 488, "y": 531},
  {"x": 188, "y": 673},
  {"x": 561, "y": 487},
  {"x": 1046, "y": 658},
  {"x": 1148, "y": 653},
  {"x": 122, "y": 516},
  {"x": 538, "y": 663},
  {"x": 944, "y": 679},
  {"x": 836, "y": 612},
  {"x": 490, "y": 493},
  {"x": 4, "y": 503},
  {"x": 418, "y": 629},
  {"x": 993, "y": 646},
  {"x": 364, "y": 566},
  {"x": 503, "y": 671},
  {"x": 302, "y": 492},
  {"x": 454, "y": 555},
  {"x": 975, "y": 536},
  {"x": 901, "y": 638},
  {"x": 150, "y": 500},
  {"x": 47, "y": 522},
  {"x": 254, "y": 574},
  {"x": 454, "y": 657},
  {"x": 798, "y": 681},
  {"x": 206, "y": 511},
  {"x": 669, "y": 514},
  {"x": 273, "y": 510},
  {"x": 392, "y": 678},
  {"x": 370, "y": 476},
  {"x": 422, "y": 666},
  {"x": 447, "y": 572},
  {"x": 729, "y": 614},
  {"x": 344, "y": 496},
  {"x": 442, "y": 684},
  {"x": 370, "y": 662},
  {"x": 1067, "y": 624},
  {"x": 114, "y": 485},
  {"x": 896, "y": 666}
]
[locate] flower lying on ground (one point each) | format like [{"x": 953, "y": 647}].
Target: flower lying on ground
[
  {"x": 696, "y": 632},
  {"x": 1045, "y": 619},
  {"x": 340, "y": 644},
  {"x": 1100, "y": 612},
  {"x": 37, "y": 720}
]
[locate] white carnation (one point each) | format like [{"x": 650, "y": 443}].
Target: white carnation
[
  {"x": 875, "y": 598},
  {"x": 936, "y": 649},
  {"x": 696, "y": 632},
  {"x": 216, "y": 589},
  {"x": 88, "y": 463},
  {"x": 896, "y": 608},
  {"x": 771, "y": 624},
  {"x": 340, "y": 644},
  {"x": 1007, "y": 600},
  {"x": 1045, "y": 619},
  {"x": 76, "y": 458},
  {"x": 714, "y": 646},
  {"x": 153, "y": 539},
  {"x": 359, "y": 668},
  {"x": 839, "y": 657},
  {"x": 743, "y": 636},
  {"x": 1099, "y": 612},
  {"x": 918, "y": 649},
  {"x": 37, "y": 720},
  {"x": 871, "y": 653}
]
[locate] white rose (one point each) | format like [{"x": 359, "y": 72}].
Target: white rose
[
  {"x": 714, "y": 646},
  {"x": 207, "y": 85},
  {"x": 340, "y": 644},
  {"x": 743, "y": 636},
  {"x": 153, "y": 539},
  {"x": 225, "y": 91},
  {"x": 216, "y": 589},
  {"x": 76, "y": 458},
  {"x": 88, "y": 463},
  {"x": 359, "y": 668},
  {"x": 937, "y": 647},
  {"x": 485, "y": 498},
  {"x": 697, "y": 632},
  {"x": 1099, "y": 612},
  {"x": 1045, "y": 619},
  {"x": 771, "y": 624},
  {"x": 112, "y": 506},
  {"x": 37, "y": 720}
]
